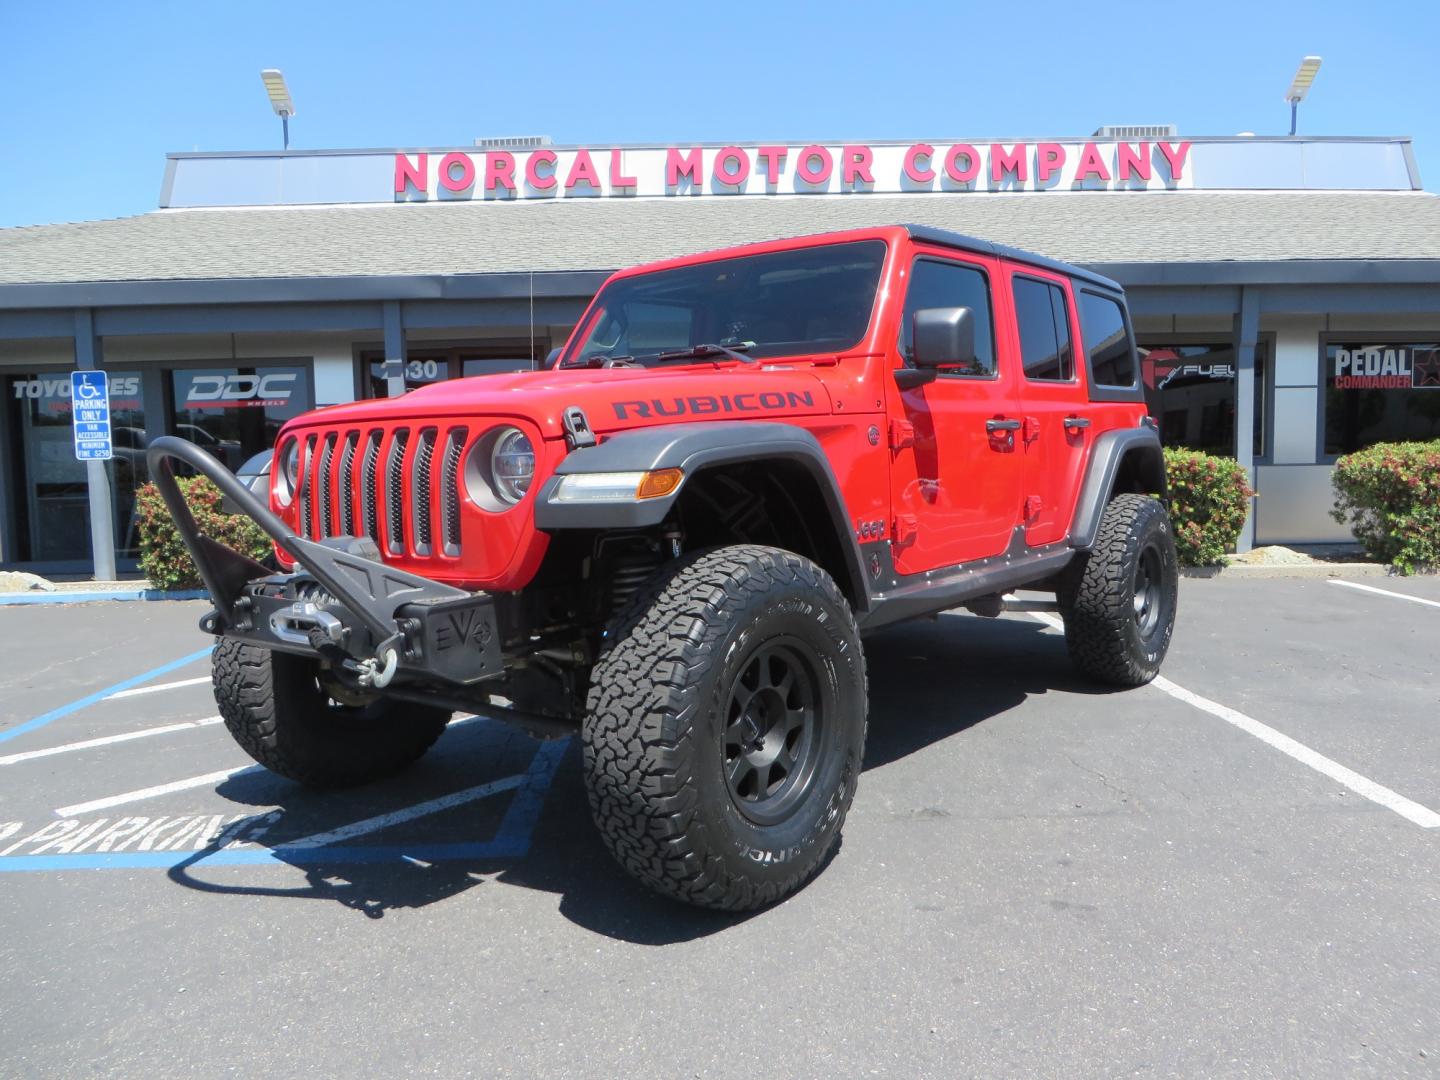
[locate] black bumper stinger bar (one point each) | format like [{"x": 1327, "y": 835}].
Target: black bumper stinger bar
[{"x": 370, "y": 590}]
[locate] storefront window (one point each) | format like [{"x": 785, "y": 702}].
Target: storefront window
[
  {"x": 419, "y": 371},
  {"x": 52, "y": 504},
  {"x": 1190, "y": 391},
  {"x": 236, "y": 412},
  {"x": 1380, "y": 393},
  {"x": 437, "y": 365},
  {"x": 493, "y": 365}
]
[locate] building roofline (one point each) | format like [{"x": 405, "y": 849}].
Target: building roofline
[
  {"x": 572, "y": 283},
  {"x": 602, "y": 145},
  {"x": 1277, "y": 272},
  {"x": 258, "y": 290}
]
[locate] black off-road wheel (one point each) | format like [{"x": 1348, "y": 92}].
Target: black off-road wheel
[
  {"x": 725, "y": 727},
  {"x": 1119, "y": 599},
  {"x": 277, "y": 710}
]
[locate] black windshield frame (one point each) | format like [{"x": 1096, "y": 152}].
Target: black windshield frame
[{"x": 819, "y": 299}]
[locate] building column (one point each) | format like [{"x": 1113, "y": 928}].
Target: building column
[
  {"x": 102, "y": 508},
  {"x": 395, "y": 354},
  {"x": 1247, "y": 334}
]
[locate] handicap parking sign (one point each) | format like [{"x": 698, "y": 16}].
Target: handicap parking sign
[{"x": 90, "y": 413}]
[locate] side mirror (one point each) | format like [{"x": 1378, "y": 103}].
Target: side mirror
[
  {"x": 943, "y": 337},
  {"x": 553, "y": 355},
  {"x": 940, "y": 337}
]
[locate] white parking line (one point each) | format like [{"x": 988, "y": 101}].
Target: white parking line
[
  {"x": 164, "y": 729},
  {"x": 158, "y": 686},
  {"x": 1376, "y": 793},
  {"x": 152, "y": 792},
  {"x": 409, "y": 813},
  {"x": 159, "y": 789},
  {"x": 1385, "y": 592}
]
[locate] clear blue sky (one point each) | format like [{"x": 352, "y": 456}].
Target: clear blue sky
[{"x": 101, "y": 91}]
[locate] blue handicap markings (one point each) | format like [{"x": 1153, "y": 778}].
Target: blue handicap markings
[
  {"x": 90, "y": 414},
  {"x": 145, "y": 839},
  {"x": 213, "y": 840}
]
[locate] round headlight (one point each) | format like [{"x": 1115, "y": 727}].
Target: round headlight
[
  {"x": 512, "y": 465},
  {"x": 288, "y": 480}
]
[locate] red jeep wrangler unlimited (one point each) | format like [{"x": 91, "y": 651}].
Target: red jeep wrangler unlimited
[{"x": 673, "y": 538}]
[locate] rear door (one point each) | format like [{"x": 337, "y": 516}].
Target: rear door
[
  {"x": 956, "y": 465},
  {"x": 1056, "y": 431}
]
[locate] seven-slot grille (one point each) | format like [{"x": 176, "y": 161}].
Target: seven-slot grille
[{"x": 381, "y": 484}]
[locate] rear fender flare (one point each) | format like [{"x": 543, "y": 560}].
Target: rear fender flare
[{"x": 1136, "y": 448}]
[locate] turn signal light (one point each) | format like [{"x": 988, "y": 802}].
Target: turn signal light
[{"x": 658, "y": 482}]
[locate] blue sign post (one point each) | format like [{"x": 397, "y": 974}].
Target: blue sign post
[{"x": 90, "y": 413}]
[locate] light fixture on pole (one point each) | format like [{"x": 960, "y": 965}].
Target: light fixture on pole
[
  {"x": 1300, "y": 86},
  {"x": 280, "y": 101}
]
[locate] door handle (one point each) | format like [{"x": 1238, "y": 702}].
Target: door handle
[
  {"x": 1076, "y": 422},
  {"x": 993, "y": 426}
]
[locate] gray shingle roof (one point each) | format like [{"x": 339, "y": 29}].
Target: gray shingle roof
[{"x": 1091, "y": 228}]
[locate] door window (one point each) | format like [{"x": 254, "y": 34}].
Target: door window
[
  {"x": 934, "y": 284},
  {"x": 1107, "y": 341},
  {"x": 1044, "y": 321}
]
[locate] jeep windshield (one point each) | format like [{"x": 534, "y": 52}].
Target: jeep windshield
[{"x": 786, "y": 303}]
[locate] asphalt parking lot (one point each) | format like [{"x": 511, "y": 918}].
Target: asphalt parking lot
[{"x": 1235, "y": 873}]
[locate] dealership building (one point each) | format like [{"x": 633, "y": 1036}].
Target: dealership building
[{"x": 1285, "y": 291}]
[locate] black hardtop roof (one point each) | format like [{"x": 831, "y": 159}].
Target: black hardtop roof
[{"x": 945, "y": 238}]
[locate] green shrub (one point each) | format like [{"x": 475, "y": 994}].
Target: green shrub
[
  {"x": 163, "y": 555},
  {"x": 1209, "y": 499},
  {"x": 1389, "y": 495}
]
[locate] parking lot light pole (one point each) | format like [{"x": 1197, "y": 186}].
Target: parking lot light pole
[
  {"x": 280, "y": 100},
  {"x": 1300, "y": 86}
]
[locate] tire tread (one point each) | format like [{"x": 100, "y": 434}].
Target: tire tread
[
  {"x": 639, "y": 766},
  {"x": 269, "y": 711}
]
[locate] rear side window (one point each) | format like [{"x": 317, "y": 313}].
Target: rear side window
[
  {"x": 1044, "y": 321},
  {"x": 1107, "y": 341},
  {"x": 936, "y": 284}
]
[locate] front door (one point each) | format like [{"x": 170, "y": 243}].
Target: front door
[{"x": 955, "y": 445}]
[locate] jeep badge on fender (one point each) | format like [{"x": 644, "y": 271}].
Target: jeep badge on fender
[{"x": 672, "y": 540}]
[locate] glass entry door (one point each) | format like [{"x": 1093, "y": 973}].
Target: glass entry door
[{"x": 52, "y": 493}]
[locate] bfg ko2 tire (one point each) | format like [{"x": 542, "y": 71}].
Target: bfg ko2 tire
[
  {"x": 725, "y": 727},
  {"x": 1119, "y": 598},
  {"x": 277, "y": 711}
]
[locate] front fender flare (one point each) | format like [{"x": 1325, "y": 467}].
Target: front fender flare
[{"x": 693, "y": 448}]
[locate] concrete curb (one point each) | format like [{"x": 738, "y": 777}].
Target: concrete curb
[
  {"x": 77, "y": 597},
  {"x": 1290, "y": 570}
]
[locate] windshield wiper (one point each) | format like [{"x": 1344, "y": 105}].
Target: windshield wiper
[{"x": 702, "y": 351}]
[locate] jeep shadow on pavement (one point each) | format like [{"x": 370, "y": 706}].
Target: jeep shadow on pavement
[
  {"x": 670, "y": 540},
  {"x": 946, "y": 676}
]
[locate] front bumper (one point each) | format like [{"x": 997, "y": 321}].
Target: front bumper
[{"x": 343, "y": 605}]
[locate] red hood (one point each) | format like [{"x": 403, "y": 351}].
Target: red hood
[{"x": 613, "y": 399}]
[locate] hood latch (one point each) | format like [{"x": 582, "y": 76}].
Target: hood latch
[{"x": 577, "y": 428}]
